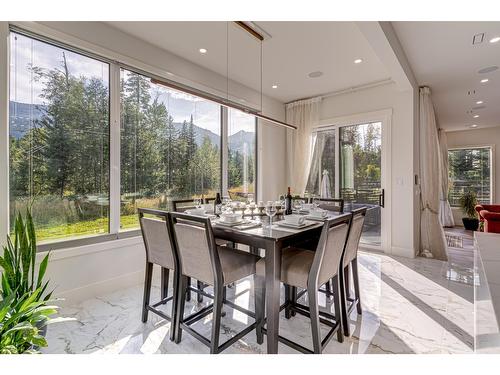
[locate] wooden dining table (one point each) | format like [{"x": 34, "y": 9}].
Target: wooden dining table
[{"x": 272, "y": 240}]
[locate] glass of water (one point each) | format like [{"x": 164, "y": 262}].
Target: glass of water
[
  {"x": 270, "y": 211},
  {"x": 197, "y": 202}
]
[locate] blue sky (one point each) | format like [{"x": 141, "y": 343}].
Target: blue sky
[{"x": 26, "y": 52}]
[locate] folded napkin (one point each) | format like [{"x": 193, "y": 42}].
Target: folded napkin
[{"x": 294, "y": 219}]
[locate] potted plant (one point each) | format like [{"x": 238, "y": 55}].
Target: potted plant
[
  {"x": 468, "y": 203},
  {"x": 23, "y": 291}
]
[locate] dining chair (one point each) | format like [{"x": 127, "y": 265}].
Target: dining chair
[
  {"x": 331, "y": 204},
  {"x": 199, "y": 257},
  {"x": 351, "y": 261},
  {"x": 181, "y": 205},
  {"x": 157, "y": 237},
  {"x": 306, "y": 269}
]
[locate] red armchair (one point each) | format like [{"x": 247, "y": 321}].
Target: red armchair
[{"x": 489, "y": 214}]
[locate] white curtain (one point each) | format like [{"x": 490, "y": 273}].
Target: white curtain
[
  {"x": 304, "y": 115},
  {"x": 445, "y": 214},
  {"x": 432, "y": 240}
]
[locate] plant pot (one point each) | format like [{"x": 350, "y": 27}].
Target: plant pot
[{"x": 470, "y": 223}]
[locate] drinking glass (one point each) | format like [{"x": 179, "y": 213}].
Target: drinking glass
[
  {"x": 250, "y": 198},
  {"x": 197, "y": 202},
  {"x": 315, "y": 202},
  {"x": 298, "y": 204},
  {"x": 270, "y": 211}
]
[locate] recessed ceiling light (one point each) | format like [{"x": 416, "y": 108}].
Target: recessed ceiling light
[
  {"x": 274, "y": 86},
  {"x": 479, "y": 102},
  {"x": 495, "y": 39},
  {"x": 473, "y": 126},
  {"x": 315, "y": 74},
  {"x": 475, "y": 116},
  {"x": 203, "y": 50},
  {"x": 484, "y": 80},
  {"x": 358, "y": 61}
]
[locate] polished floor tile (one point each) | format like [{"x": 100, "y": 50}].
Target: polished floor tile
[{"x": 409, "y": 306}]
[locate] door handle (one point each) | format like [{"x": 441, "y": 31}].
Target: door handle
[{"x": 381, "y": 198}]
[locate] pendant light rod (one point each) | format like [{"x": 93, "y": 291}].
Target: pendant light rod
[{"x": 224, "y": 102}]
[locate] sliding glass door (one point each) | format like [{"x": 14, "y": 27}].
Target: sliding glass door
[
  {"x": 360, "y": 174},
  {"x": 348, "y": 162}
]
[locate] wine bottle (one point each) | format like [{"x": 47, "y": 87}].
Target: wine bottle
[
  {"x": 217, "y": 204},
  {"x": 288, "y": 203}
]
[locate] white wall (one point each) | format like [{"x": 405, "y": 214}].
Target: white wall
[
  {"x": 402, "y": 159},
  {"x": 478, "y": 137},
  {"x": 93, "y": 270}
]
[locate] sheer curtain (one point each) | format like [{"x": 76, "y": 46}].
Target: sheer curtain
[
  {"x": 445, "y": 214},
  {"x": 431, "y": 233},
  {"x": 303, "y": 114}
]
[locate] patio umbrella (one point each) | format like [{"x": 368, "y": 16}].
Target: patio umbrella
[{"x": 324, "y": 190}]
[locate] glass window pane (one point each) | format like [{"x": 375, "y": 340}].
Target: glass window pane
[
  {"x": 170, "y": 146},
  {"x": 59, "y": 139},
  {"x": 241, "y": 154},
  {"x": 469, "y": 170}
]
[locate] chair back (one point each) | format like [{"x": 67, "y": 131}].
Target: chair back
[
  {"x": 358, "y": 220},
  {"x": 332, "y": 204},
  {"x": 209, "y": 200},
  {"x": 181, "y": 205},
  {"x": 196, "y": 248},
  {"x": 329, "y": 252},
  {"x": 157, "y": 237}
]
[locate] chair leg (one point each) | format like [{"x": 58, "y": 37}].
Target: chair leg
[
  {"x": 338, "y": 308},
  {"x": 343, "y": 304},
  {"x": 294, "y": 298},
  {"x": 355, "y": 278},
  {"x": 175, "y": 302},
  {"x": 164, "y": 282},
  {"x": 214, "y": 342},
  {"x": 200, "y": 286},
  {"x": 147, "y": 291},
  {"x": 347, "y": 281},
  {"x": 188, "y": 293},
  {"x": 260, "y": 306},
  {"x": 181, "y": 301},
  {"x": 312, "y": 293},
  {"x": 288, "y": 298}
]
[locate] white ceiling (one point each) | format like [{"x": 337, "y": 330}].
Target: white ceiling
[
  {"x": 443, "y": 57},
  {"x": 294, "y": 50}
]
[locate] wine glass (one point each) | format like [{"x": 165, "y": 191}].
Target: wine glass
[
  {"x": 315, "y": 202},
  {"x": 270, "y": 211},
  {"x": 197, "y": 202},
  {"x": 298, "y": 204}
]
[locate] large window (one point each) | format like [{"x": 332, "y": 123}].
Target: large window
[
  {"x": 241, "y": 154},
  {"x": 470, "y": 170},
  {"x": 59, "y": 139},
  {"x": 170, "y": 146},
  {"x": 62, "y": 146}
]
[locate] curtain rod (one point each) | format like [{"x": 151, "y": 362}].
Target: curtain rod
[{"x": 224, "y": 102}]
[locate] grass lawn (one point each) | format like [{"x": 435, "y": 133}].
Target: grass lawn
[{"x": 83, "y": 228}]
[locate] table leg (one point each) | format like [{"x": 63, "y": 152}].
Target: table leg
[{"x": 273, "y": 273}]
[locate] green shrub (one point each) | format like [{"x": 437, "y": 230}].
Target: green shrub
[{"x": 468, "y": 202}]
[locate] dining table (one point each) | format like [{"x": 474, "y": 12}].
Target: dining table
[{"x": 272, "y": 239}]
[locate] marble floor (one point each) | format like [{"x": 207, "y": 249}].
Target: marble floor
[{"x": 410, "y": 306}]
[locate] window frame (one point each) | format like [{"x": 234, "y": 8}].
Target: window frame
[
  {"x": 73, "y": 44},
  {"x": 492, "y": 166}
]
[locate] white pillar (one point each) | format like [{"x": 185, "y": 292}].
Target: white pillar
[{"x": 4, "y": 131}]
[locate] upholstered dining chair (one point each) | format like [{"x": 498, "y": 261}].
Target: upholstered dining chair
[
  {"x": 181, "y": 205},
  {"x": 331, "y": 204},
  {"x": 199, "y": 257},
  {"x": 156, "y": 233},
  {"x": 350, "y": 260},
  {"x": 306, "y": 269}
]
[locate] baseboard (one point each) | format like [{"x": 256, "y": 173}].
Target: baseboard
[{"x": 74, "y": 296}]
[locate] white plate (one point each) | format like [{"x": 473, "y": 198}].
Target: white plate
[
  {"x": 305, "y": 224},
  {"x": 239, "y": 222}
]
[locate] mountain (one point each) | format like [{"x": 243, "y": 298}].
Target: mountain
[{"x": 21, "y": 113}]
